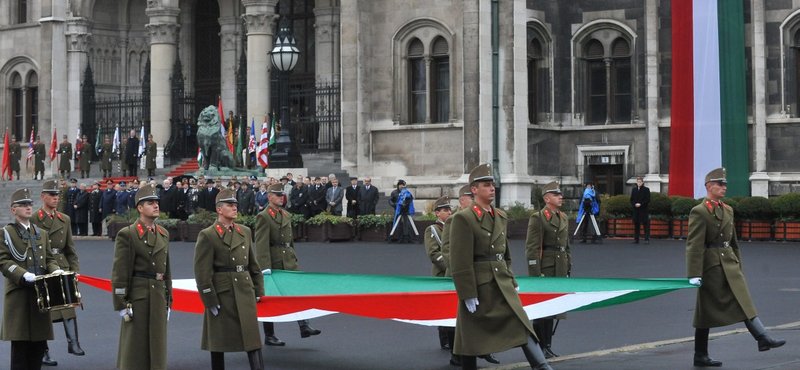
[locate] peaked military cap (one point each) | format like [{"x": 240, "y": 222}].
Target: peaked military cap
[
  {"x": 253, "y": 177},
  {"x": 21, "y": 196},
  {"x": 122, "y": 183},
  {"x": 482, "y": 172},
  {"x": 717, "y": 175},
  {"x": 96, "y": 183},
  {"x": 465, "y": 190},
  {"x": 147, "y": 192},
  {"x": 209, "y": 181},
  {"x": 443, "y": 202},
  {"x": 276, "y": 189},
  {"x": 109, "y": 181},
  {"x": 73, "y": 180},
  {"x": 227, "y": 196},
  {"x": 284, "y": 178},
  {"x": 50, "y": 186},
  {"x": 551, "y": 188}
]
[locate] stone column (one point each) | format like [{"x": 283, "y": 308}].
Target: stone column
[
  {"x": 260, "y": 18},
  {"x": 77, "y": 36},
  {"x": 164, "y": 30},
  {"x": 326, "y": 24},
  {"x": 759, "y": 180},
  {"x": 228, "y": 37},
  {"x": 653, "y": 177}
]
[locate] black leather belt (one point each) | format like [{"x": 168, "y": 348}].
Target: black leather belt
[
  {"x": 554, "y": 249},
  {"x": 496, "y": 257},
  {"x": 280, "y": 245},
  {"x": 157, "y": 276},
  {"x": 718, "y": 245},
  {"x": 237, "y": 268}
]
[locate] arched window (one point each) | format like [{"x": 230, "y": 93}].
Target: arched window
[
  {"x": 418, "y": 81},
  {"x": 32, "y": 106},
  {"x": 621, "y": 80},
  {"x": 17, "y": 105},
  {"x": 535, "y": 56},
  {"x": 597, "y": 102},
  {"x": 797, "y": 70},
  {"x": 22, "y": 11},
  {"x": 440, "y": 107},
  {"x": 609, "y": 81}
]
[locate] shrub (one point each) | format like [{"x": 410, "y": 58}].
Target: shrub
[
  {"x": 787, "y": 207},
  {"x": 755, "y": 209},
  {"x": 297, "y": 219},
  {"x": 202, "y": 217},
  {"x": 619, "y": 206},
  {"x": 130, "y": 216},
  {"x": 660, "y": 205},
  {"x": 371, "y": 221},
  {"x": 681, "y": 206},
  {"x": 168, "y": 223},
  {"x": 249, "y": 221},
  {"x": 329, "y": 218},
  {"x": 603, "y": 215},
  {"x": 518, "y": 211}
]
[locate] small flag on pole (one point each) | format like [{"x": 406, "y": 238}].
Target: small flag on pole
[
  {"x": 30, "y": 149},
  {"x": 263, "y": 149},
  {"x": 53, "y": 146}
]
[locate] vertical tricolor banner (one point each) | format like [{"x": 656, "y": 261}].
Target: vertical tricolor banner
[{"x": 709, "y": 105}]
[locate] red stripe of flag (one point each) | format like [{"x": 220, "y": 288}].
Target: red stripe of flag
[{"x": 681, "y": 150}]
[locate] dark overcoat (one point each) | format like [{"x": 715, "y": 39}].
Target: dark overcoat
[
  {"x": 368, "y": 199},
  {"x": 39, "y": 156},
  {"x": 64, "y": 157},
  {"x": 106, "y": 156},
  {"x": 132, "y": 152},
  {"x": 86, "y": 156},
  {"x": 62, "y": 247},
  {"x": 235, "y": 329},
  {"x": 712, "y": 253},
  {"x": 274, "y": 242},
  {"x": 95, "y": 199},
  {"x": 14, "y": 155},
  {"x": 109, "y": 199},
  {"x": 150, "y": 155},
  {"x": 82, "y": 212}
]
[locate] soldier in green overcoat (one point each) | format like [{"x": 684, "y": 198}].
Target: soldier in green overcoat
[
  {"x": 59, "y": 231},
  {"x": 64, "y": 158},
  {"x": 106, "y": 157},
  {"x": 121, "y": 155},
  {"x": 548, "y": 254},
  {"x": 714, "y": 263},
  {"x": 62, "y": 195},
  {"x": 24, "y": 255},
  {"x": 490, "y": 314},
  {"x": 38, "y": 159},
  {"x": 275, "y": 250},
  {"x": 141, "y": 283},
  {"x": 14, "y": 155},
  {"x": 85, "y": 155},
  {"x": 433, "y": 237},
  {"x": 230, "y": 284},
  {"x": 150, "y": 152}
]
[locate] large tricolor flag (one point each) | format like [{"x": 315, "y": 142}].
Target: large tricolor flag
[
  {"x": 292, "y": 295},
  {"x": 709, "y": 107}
]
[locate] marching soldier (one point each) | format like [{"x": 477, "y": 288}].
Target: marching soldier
[
  {"x": 106, "y": 157},
  {"x": 85, "y": 155},
  {"x": 62, "y": 247},
  {"x": 713, "y": 262},
  {"x": 151, "y": 152},
  {"x": 230, "y": 284},
  {"x": 548, "y": 254},
  {"x": 25, "y": 254},
  {"x": 490, "y": 314},
  {"x": 64, "y": 157},
  {"x": 62, "y": 195},
  {"x": 433, "y": 246},
  {"x": 38, "y": 159},
  {"x": 14, "y": 155},
  {"x": 276, "y": 251},
  {"x": 141, "y": 282}
]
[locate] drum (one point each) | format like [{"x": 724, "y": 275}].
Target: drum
[{"x": 57, "y": 291}]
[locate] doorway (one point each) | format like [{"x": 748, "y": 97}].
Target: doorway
[{"x": 607, "y": 178}]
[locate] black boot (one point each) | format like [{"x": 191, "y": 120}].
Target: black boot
[
  {"x": 535, "y": 355},
  {"x": 269, "y": 335},
  {"x": 455, "y": 360},
  {"x": 46, "y": 360},
  {"x": 548, "y": 339},
  {"x": 255, "y": 359},
  {"x": 73, "y": 346},
  {"x": 765, "y": 342},
  {"x": 469, "y": 363},
  {"x": 701, "y": 350},
  {"x": 217, "y": 360},
  {"x": 490, "y": 359},
  {"x": 306, "y": 330},
  {"x": 443, "y": 338}
]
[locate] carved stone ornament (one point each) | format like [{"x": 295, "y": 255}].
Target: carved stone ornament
[
  {"x": 163, "y": 33},
  {"x": 260, "y": 24}
]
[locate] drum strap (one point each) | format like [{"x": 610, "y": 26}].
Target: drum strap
[{"x": 14, "y": 253}]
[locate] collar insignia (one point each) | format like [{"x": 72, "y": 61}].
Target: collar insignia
[
  {"x": 220, "y": 230},
  {"x": 140, "y": 229},
  {"x": 477, "y": 210}
]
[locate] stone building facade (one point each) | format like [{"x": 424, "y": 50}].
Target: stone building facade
[{"x": 576, "y": 91}]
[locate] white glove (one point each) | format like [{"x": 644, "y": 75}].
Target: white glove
[
  {"x": 58, "y": 271},
  {"x": 168, "y": 311},
  {"x": 29, "y": 277},
  {"x": 516, "y": 288},
  {"x": 258, "y": 299},
  {"x": 266, "y": 272},
  {"x": 696, "y": 281},
  {"x": 122, "y": 312},
  {"x": 214, "y": 310},
  {"x": 472, "y": 304}
]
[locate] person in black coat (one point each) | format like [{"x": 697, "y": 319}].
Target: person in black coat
[
  {"x": 206, "y": 198},
  {"x": 316, "y": 198},
  {"x": 95, "y": 216},
  {"x": 246, "y": 199},
  {"x": 299, "y": 199},
  {"x": 351, "y": 194},
  {"x": 368, "y": 197},
  {"x": 81, "y": 207},
  {"x": 181, "y": 197},
  {"x": 72, "y": 193},
  {"x": 640, "y": 199},
  {"x": 168, "y": 199},
  {"x": 132, "y": 153},
  {"x": 109, "y": 198}
]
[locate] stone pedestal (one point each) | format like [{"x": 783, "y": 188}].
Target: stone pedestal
[
  {"x": 759, "y": 184},
  {"x": 163, "y": 28},
  {"x": 653, "y": 182}
]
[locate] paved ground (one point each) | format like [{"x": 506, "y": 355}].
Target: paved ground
[{"x": 356, "y": 343}]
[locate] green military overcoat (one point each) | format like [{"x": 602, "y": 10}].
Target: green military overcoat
[
  {"x": 712, "y": 253},
  {"x": 446, "y": 244},
  {"x": 499, "y": 323},
  {"x": 59, "y": 233},
  {"x": 274, "y": 242},
  {"x": 38, "y": 156},
  {"x": 62, "y": 199},
  {"x": 433, "y": 245},
  {"x": 106, "y": 156},
  {"x": 122, "y": 165},
  {"x": 86, "y": 155},
  {"x": 151, "y": 151},
  {"x": 22, "y": 320},
  {"x": 143, "y": 340},
  {"x": 13, "y": 156},
  {"x": 235, "y": 329},
  {"x": 64, "y": 156},
  {"x": 546, "y": 228}
]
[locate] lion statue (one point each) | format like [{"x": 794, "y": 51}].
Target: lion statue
[{"x": 212, "y": 144}]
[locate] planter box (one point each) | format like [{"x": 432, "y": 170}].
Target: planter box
[
  {"x": 341, "y": 231},
  {"x": 315, "y": 233},
  {"x": 518, "y": 228},
  {"x": 299, "y": 232},
  {"x": 114, "y": 227},
  {"x": 787, "y": 230},
  {"x": 421, "y": 227},
  {"x": 620, "y": 227},
  {"x": 190, "y": 232},
  {"x": 754, "y": 230},
  {"x": 373, "y": 234},
  {"x": 174, "y": 234},
  {"x": 659, "y": 229},
  {"x": 680, "y": 229}
]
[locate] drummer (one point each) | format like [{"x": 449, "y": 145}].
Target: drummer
[
  {"x": 57, "y": 226},
  {"x": 24, "y": 255}
]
